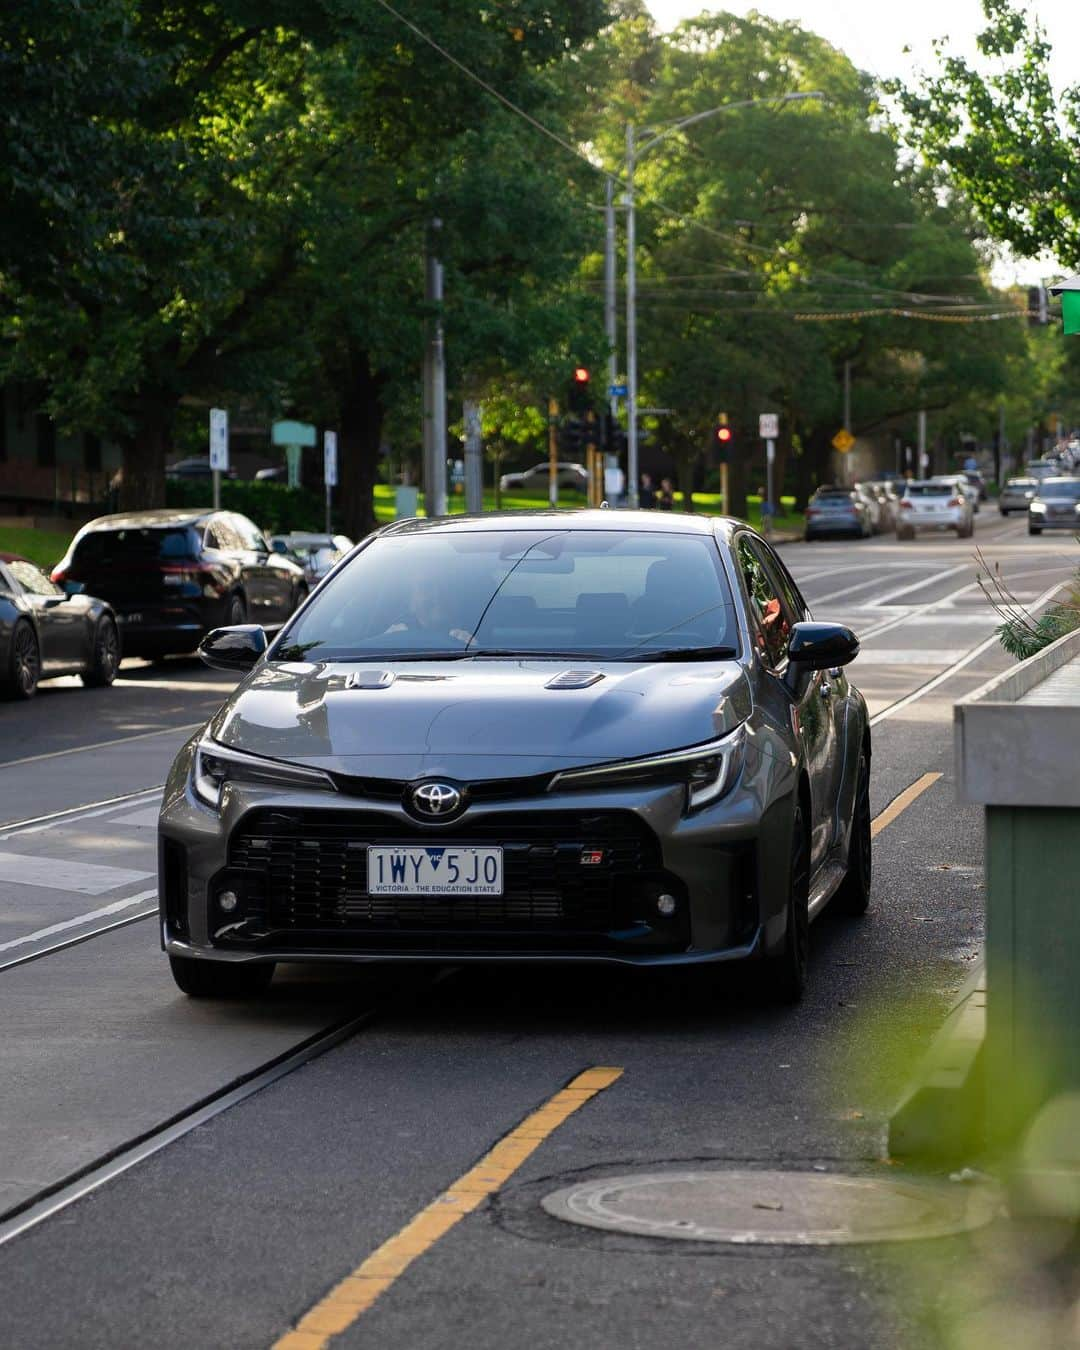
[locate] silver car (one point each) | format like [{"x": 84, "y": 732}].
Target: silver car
[
  {"x": 1017, "y": 494},
  {"x": 1056, "y": 506},
  {"x": 559, "y": 737}
]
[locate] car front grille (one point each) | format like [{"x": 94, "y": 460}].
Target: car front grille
[{"x": 307, "y": 872}]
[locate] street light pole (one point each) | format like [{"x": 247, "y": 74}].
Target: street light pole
[
  {"x": 610, "y": 316},
  {"x": 634, "y": 149}
]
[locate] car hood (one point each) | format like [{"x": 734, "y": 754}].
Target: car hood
[{"x": 477, "y": 719}]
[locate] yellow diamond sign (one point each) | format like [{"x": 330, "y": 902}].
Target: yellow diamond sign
[{"x": 843, "y": 440}]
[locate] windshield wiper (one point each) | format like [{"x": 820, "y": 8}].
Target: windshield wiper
[{"x": 681, "y": 654}]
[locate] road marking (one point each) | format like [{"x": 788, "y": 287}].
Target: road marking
[
  {"x": 345, "y": 1303},
  {"x": 81, "y": 877},
  {"x": 98, "y": 745},
  {"x": 78, "y": 940},
  {"x": 918, "y": 611},
  {"x": 863, "y": 585},
  {"x": 105, "y": 910},
  {"x": 957, "y": 666},
  {"x": 146, "y": 819},
  {"x": 902, "y": 802},
  {"x": 70, "y": 814},
  {"x": 890, "y": 596}
]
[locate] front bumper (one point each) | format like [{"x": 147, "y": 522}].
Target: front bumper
[{"x": 297, "y": 863}]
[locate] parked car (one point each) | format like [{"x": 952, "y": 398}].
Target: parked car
[
  {"x": 934, "y": 504},
  {"x": 1044, "y": 468},
  {"x": 977, "y": 481},
  {"x": 1017, "y": 494},
  {"x": 274, "y": 473},
  {"x": 197, "y": 468},
  {"x": 499, "y": 738},
  {"x": 316, "y": 553},
  {"x": 44, "y": 631},
  {"x": 570, "y": 475},
  {"x": 868, "y": 492},
  {"x": 171, "y": 576},
  {"x": 1056, "y": 506},
  {"x": 837, "y": 510}
]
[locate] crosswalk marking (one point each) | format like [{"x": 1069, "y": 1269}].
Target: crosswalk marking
[{"x": 81, "y": 877}]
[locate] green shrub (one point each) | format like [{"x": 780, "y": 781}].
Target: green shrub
[{"x": 275, "y": 508}]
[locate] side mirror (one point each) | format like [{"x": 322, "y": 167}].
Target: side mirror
[
  {"x": 233, "y": 648},
  {"x": 820, "y": 646},
  {"x": 74, "y": 588}
]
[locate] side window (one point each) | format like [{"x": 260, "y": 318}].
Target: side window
[
  {"x": 250, "y": 534},
  {"x": 33, "y": 581},
  {"x": 221, "y": 535},
  {"x": 771, "y": 611},
  {"x": 789, "y": 591}
]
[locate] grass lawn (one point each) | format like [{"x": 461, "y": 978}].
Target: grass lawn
[
  {"x": 45, "y": 547},
  {"x": 705, "y": 503}
]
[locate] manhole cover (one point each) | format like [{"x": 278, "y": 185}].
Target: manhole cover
[{"x": 800, "y": 1208}]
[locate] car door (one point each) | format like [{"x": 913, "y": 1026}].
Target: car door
[
  {"x": 62, "y": 620},
  {"x": 775, "y": 606},
  {"x": 276, "y": 574}
]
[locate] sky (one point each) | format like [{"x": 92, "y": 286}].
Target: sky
[{"x": 874, "y": 36}]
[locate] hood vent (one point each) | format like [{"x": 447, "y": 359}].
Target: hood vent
[
  {"x": 369, "y": 679},
  {"x": 574, "y": 679}
]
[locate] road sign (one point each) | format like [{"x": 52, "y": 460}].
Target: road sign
[
  {"x": 292, "y": 433},
  {"x": 330, "y": 458},
  {"x": 219, "y": 440},
  {"x": 843, "y": 440},
  {"x": 616, "y": 391},
  {"x": 768, "y": 426}
]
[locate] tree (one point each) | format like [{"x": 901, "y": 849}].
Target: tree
[{"x": 1007, "y": 139}]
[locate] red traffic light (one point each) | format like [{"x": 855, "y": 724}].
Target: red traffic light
[
  {"x": 581, "y": 375},
  {"x": 723, "y": 434}
]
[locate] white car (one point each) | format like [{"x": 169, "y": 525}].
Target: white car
[
  {"x": 962, "y": 484},
  {"x": 932, "y": 504},
  {"x": 570, "y": 476}
]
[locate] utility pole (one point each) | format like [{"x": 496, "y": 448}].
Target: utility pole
[
  {"x": 923, "y": 457},
  {"x": 553, "y": 451},
  {"x": 611, "y": 320},
  {"x": 999, "y": 448},
  {"x": 474, "y": 457},
  {"x": 631, "y": 326},
  {"x": 434, "y": 382}
]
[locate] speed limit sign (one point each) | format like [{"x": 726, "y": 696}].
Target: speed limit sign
[{"x": 769, "y": 426}]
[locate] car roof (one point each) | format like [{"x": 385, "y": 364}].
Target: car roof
[
  {"x": 1057, "y": 480},
  {"x": 163, "y": 517},
  {"x": 15, "y": 557},
  {"x": 640, "y": 522}
]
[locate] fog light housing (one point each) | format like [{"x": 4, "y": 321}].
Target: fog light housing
[
  {"x": 666, "y": 906},
  {"x": 227, "y": 901}
]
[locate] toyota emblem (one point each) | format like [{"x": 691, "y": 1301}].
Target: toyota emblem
[{"x": 436, "y": 799}]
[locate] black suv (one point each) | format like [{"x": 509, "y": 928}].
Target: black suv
[{"x": 171, "y": 576}]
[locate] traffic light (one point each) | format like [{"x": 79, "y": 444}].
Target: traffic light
[
  {"x": 572, "y": 438},
  {"x": 722, "y": 437},
  {"x": 580, "y": 399}
]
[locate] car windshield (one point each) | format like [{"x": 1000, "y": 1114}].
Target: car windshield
[
  {"x": 832, "y": 494},
  {"x": 552, "y": 592},
  {"x": 1061, "y": 487}
]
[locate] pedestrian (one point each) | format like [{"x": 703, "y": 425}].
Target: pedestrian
[
  {"x": 646, "y": 493},
  {"x": 665, "y": 498}
]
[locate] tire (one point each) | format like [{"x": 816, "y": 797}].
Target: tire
[
  {"x": 1034, "y": 529},
  {"x": 1002, "y": 511},
  {"x": 106, "y": 658},
  {"x": 965, "y": 531},
  {"x": 20, "y": 680},
  {"x": 216, "y": 979},
  {"x": 853, "y": 894},
  {"x": 785, "y": 973},
  {"x": 236, "y": 612},
  {"x": 904, "y": 535}
]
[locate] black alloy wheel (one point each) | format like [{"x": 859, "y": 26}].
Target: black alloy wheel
[
  {"x": 1034, "y": 529},
  {"x": 218, "y": 979},
  {"x": 106, "y": 659},
  {"x": 24, "y": 663},
  {"x": 237, "y": 612},
  {"x": 853, "y": 893},
  {"x": 785, "y": 973}
]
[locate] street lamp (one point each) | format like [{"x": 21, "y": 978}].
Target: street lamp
[{"x": 635, "y": 148}]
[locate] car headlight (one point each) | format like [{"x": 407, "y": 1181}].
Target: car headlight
[
  {"x": 1037, "y": 507},
  {"x": 709, "y": 770},
  {"x": 214, "y": 766}
]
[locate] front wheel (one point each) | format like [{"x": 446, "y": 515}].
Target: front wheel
[
  {"x": 1002, "y": 511},
  {"x": 236, "y": 613},
  {"x": 903, "y": 534},
  {"x": 1034, "y": 529},
  {"x": 106, "y": 659},
  {"x": 24, "y": 664},
  {"x": 217, "y": 979},
  {"x": 853, "y": 893},
  {"x": 785, "y": 973}
]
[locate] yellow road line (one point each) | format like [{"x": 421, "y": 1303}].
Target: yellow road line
[
  {"x": 352, "y": 1297},
  {"x": 902, "y": 802}
]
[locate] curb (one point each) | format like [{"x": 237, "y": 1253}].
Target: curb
[{"x": 940, "y": 1115}]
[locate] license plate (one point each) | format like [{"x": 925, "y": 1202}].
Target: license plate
[
  {"x": 130, "y": 618},
  {"x": 434, "y": 870}
]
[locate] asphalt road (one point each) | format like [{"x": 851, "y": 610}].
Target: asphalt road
[{"x": 227, "y": 1235}]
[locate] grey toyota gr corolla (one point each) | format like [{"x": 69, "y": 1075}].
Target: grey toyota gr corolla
[{"x": 591, "y": 736}]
